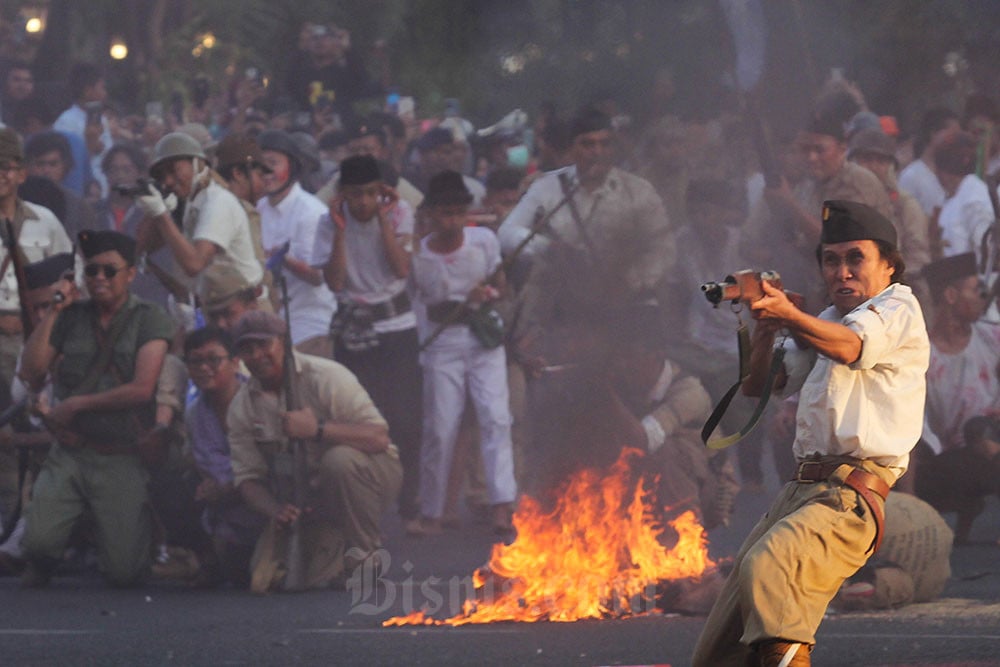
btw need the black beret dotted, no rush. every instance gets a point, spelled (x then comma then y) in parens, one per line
(359, 170)
(48, 271)
(947, 270)
(447, 188)
(852, 221)
(95, 242)
(587, 120)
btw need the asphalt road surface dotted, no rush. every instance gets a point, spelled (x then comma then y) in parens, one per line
(78, 621)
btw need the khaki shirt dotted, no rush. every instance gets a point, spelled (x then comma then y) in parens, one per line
(41, 236)
(254, 417)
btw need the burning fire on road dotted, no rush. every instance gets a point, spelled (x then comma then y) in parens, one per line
(599, 553)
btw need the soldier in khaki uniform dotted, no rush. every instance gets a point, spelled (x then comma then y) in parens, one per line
(39, 235)
(790, 213)
(354, 471)
(861, 369)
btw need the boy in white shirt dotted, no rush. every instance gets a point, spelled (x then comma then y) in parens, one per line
(453, 269)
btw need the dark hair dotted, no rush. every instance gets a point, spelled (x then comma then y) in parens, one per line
(81, 77)
(33, 107)
(957, 154)
(886, 251)
(209, 334)
(979, 105)
(42, 191)
(46, 142)
(977, 429)
(130, 150)
(934, 120)
(504, 178)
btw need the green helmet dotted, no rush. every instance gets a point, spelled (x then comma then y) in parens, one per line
(174, 145)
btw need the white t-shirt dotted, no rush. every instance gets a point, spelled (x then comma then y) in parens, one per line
(872, 408)
(370, 278)
(965, 217)
(963, 385)
(295, 219)
(919, 180)
(450, 277)
(215, 215)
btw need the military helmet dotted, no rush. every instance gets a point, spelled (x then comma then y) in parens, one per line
(280, 142)
(174, 145)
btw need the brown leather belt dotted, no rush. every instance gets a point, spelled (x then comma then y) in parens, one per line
(866, 484)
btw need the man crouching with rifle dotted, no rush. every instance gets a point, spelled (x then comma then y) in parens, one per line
(860, 365)
(352, 471)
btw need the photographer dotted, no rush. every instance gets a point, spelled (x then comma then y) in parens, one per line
(860, 366)
(213, 228)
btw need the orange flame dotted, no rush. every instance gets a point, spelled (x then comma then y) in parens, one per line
(597, 554)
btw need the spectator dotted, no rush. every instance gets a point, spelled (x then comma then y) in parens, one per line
(85, 117)
(48, 155)
(232, 526)
(18, 86)
(919, 177)
(289, 214)
(440, 151)
(363, 246)
(967, 212)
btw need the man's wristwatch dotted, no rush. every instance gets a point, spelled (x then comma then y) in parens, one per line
(320, 423)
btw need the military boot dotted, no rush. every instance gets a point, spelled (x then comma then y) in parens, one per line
(782, 654)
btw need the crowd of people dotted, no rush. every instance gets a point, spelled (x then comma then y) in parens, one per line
(259, 325)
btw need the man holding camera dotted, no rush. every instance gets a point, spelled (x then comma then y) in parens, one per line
(214, 227)
(860, 366)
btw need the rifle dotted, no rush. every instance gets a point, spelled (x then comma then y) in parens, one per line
(541, 220)
(291, 473)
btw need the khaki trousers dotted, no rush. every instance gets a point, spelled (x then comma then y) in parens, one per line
(355, 489)
(814, 536)
(113, 489)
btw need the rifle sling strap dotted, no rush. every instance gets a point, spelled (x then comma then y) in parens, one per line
(743, 337)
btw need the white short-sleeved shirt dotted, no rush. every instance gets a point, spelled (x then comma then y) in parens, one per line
(216, 215)
(872, 408)
(295, 220)
(440, 277)
(42, 235)
(965, 217)
(370, 278)
(919, 180)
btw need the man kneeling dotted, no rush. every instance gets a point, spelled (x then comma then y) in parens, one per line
(354, 472)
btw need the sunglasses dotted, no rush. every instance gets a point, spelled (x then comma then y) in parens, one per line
(109, 270)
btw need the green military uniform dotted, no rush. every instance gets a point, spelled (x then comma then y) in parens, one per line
(104, 474)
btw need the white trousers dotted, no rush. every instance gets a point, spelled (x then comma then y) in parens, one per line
(448, 375)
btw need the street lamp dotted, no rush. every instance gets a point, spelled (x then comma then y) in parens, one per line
(118, 50)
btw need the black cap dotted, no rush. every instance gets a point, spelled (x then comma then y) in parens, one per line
(587, 120)
(48, 271)
(359, 170)
(852, 221)
(434, 138)
(447, 188)
(95, 242)
(948, 270)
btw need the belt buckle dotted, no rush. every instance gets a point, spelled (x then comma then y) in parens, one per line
(808, 465)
